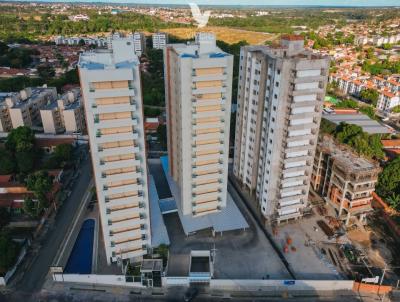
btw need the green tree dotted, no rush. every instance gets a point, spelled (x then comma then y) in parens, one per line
(63, 152)
(40, 183)
(327, 126)
(389, 179)
(25, 161)
(394, 201)
(20, 139)
(348, 103)
(370, 95)
(8, 251)
(4, 217)
(346, 133)
(7, 162)
(387, 46)
(46, 71)
(31, 207)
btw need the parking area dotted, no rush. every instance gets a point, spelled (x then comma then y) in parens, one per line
(241, 254)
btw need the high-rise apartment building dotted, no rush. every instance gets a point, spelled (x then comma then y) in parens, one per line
(111, 89)
(160, 40)
(137, 40)
(280, 97)
(198, 81)
(345, 179)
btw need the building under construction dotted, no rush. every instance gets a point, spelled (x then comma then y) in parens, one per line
(345, 179)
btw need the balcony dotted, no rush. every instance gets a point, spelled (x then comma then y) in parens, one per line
(288, 216)
(114, 108)
(212, 186)
(119, 151)
(206, 197)
(101, 138)
(212, 174)
(204, 114)
(112, 92)
(128, 212)
(130, 231)
(124, 188)
(213, 156)
(122, 176)
(209, 77)
(116, 123)
(120, 164)
(204, 90)
(217, 166)
(299, 188)
(134, 199)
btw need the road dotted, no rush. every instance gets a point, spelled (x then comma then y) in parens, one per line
(35, 275)
(68, 293)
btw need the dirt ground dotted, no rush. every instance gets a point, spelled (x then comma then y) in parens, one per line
(228, 35)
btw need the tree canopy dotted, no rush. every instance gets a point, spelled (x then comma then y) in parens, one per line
(8, 251)
(368, 145)
(388, 185)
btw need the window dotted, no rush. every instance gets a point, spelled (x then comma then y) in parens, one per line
(275, 96)
(278, 71)
(274, 108)
(277, 84)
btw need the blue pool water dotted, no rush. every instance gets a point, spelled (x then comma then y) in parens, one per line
(80, 260)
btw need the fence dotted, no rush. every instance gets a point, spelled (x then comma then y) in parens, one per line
(95, 279)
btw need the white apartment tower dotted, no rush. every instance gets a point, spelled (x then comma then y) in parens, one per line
(160, 40)
(198, 81)
(136, 39)
(280, 97)
(111, 89)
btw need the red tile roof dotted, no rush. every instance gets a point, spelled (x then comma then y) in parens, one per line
(390, 143)
(292, 37)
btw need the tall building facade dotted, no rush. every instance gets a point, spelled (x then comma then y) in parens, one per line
(280, 97)
(198, 81)
(160, 40)
(137, 40)
(111, 89)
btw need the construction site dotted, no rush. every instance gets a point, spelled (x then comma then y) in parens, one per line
(361, 252)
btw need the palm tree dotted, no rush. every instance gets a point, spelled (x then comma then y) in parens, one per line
(394, 201)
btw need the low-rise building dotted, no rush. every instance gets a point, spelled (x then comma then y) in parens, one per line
(23, 108)
(387, 100)
(344, 179)
(64, 114)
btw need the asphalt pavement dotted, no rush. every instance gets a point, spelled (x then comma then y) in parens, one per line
(34, 276)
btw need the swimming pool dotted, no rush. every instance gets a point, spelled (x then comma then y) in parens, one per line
(80, 260)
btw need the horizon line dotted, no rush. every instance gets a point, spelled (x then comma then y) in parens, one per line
(209, 5)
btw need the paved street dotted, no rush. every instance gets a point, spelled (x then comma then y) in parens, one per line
(70, 293)
(34, 276)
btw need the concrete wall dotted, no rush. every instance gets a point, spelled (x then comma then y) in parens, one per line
(95, 279)
(276, 285)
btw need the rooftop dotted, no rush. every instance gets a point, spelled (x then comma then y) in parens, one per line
(122, 55)
(345, 157)
(228, 219)
(204, 47)
(367, 124)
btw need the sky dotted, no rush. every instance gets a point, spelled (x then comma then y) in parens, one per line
(254, 2)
